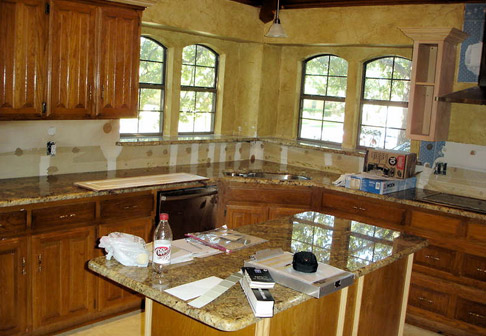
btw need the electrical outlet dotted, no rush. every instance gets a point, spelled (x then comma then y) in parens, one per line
(51, 148)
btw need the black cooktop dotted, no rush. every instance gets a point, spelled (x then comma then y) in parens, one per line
(456, 201)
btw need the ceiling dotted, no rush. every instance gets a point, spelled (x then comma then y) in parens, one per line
(268, 6)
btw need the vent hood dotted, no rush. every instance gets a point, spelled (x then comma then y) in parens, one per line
(475, 95)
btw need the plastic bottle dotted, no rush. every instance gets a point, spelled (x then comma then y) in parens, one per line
(162, 244)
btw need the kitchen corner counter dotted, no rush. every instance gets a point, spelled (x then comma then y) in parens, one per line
(365, 250)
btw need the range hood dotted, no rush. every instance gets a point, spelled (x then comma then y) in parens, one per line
(475, 95)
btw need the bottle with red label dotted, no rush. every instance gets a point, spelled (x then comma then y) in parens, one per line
(162, 244)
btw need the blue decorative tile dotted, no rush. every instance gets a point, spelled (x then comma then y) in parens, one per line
(430, 151)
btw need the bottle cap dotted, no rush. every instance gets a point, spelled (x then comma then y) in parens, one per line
(164, 216)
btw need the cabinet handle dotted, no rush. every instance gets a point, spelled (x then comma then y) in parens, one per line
(126, 207)
(432, 257)
(477, 315)
(39, 262)
(359, 208)
(90, 92)
(67, 216)
(421, 298)
(24, 271)
(477, 269)
(1, 225)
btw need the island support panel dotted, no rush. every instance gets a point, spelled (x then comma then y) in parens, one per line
(375, 304)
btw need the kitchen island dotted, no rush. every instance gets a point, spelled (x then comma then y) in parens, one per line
(381, 260)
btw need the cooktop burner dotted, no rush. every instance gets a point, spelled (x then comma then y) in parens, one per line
(455, 201)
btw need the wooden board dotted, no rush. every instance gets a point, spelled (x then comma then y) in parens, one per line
(139, 181)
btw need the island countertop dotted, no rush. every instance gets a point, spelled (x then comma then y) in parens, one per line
(356, 247)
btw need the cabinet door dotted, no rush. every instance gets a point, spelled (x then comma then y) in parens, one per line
(72, 50)
(13, 286)
(23, 59)
(62, 285)
(239, 215)
(118, 62)
(110, 294)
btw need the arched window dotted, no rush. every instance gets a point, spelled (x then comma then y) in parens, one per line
(198, 90)
(151, 91)
(384, 103)
(322, 96)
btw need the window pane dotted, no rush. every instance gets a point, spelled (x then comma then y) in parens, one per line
(186, 122)
(395, 138)
(151, 72)
(337, 87)
(205, 57)
(149, 122)
(372, 137)
(204, 101)
(332, 132)
(400, 90)
(203, 122)
(377, 89)
(374, 115)
(334, 111)
(188, 101)
(317, 66)
(315, 85)
(150, 100)
(312, 109)
(381, 68)
(205, 77)
(397, 117)
(311, 129)
(150, 50)
(189, 55)
(187, 75)
(128, 125)
(338, 67)
(402, 68)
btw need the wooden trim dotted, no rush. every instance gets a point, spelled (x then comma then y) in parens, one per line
(406, 289)
(262, 327)
(148, 317)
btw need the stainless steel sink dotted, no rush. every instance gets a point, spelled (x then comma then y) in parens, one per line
(269, 176)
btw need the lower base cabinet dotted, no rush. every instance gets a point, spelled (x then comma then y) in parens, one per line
(63, 288)
(14, 276)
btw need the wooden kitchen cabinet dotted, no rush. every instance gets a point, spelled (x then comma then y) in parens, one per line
(66, 59)
(23, 59)
(433, 66)
(63, 288)
(110, 294)
(14, 280)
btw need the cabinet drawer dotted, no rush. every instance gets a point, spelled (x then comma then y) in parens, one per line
(294, 196)
(474, 267)
(63, 215)
(13, 221)
(436, 257)
(362, 207)
(471, 312)
(127, 207)
(437, 223)
(428, 299)
(477, 231)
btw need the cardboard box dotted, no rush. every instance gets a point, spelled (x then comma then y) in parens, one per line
(395, 164)
(378, 185)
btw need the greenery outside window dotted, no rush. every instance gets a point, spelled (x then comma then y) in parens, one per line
(322, 103)
(384, 103)
(198, 90)
(151, 91)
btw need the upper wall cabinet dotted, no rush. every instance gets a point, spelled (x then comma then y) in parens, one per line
(68, 59)
(433, 65)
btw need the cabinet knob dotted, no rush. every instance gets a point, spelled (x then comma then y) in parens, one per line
(421, 298)
(477, 315)
(24, 271)
(39, 262)
(477, 269)
(432, 257)
(67, 216)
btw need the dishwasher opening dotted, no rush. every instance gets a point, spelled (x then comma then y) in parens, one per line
(190, 210)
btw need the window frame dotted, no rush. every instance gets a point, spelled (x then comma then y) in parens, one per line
(304, 96)
(160, 87)
(196, 89)
(387, 103)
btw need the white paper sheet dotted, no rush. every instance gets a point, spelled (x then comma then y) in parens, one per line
(194, 289)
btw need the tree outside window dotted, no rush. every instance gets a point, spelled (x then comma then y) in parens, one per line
(322, 103)
(384, 103)
(198, 90)
(151, 91)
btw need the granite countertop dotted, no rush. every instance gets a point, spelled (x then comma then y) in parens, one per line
(356, 247)
(30, 190)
